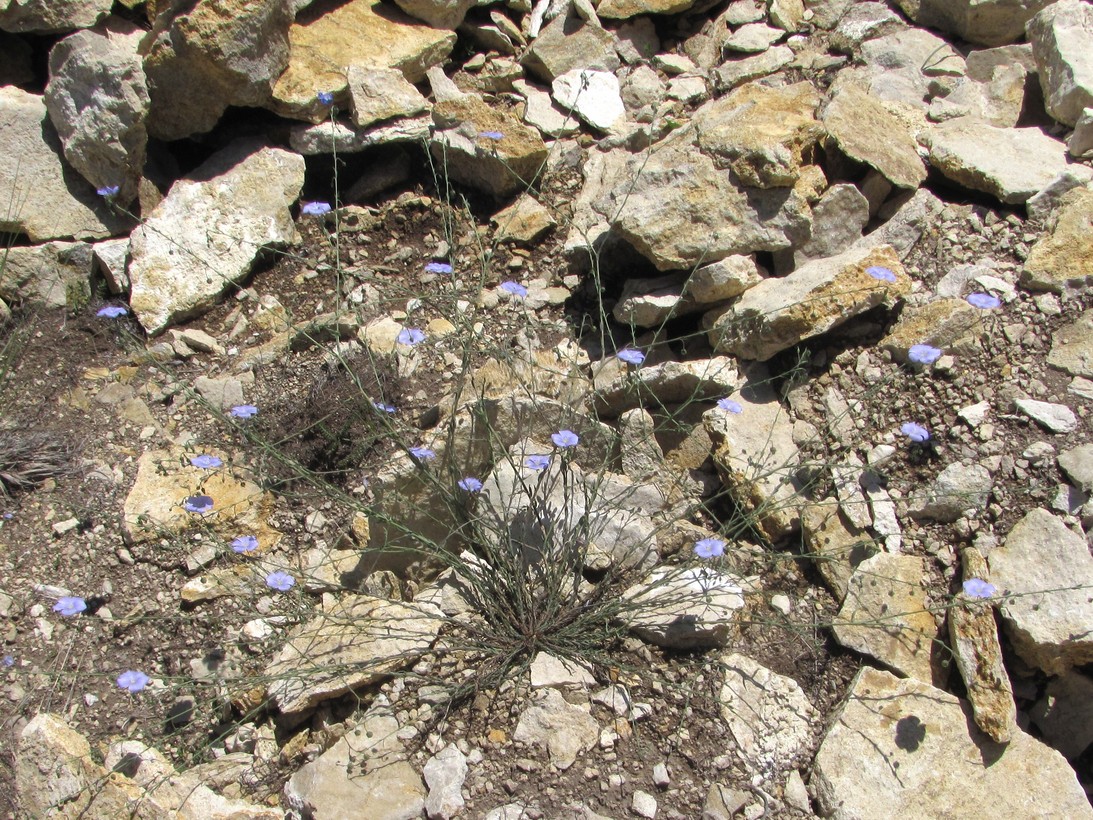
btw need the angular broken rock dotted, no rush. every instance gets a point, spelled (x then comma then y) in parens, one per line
(1059, 260)
(1065, 714)
(891, 739)
(357, 640)
(379, 94)
(836, 545)
(1046, 572)
(1071, 346)
(984, 22)
(619, 389)
(439, 14)
(207, 232)
(1058, 418)
(592, 95)
(684, 609)
(781, 312)
(52, 16)
(54, 274)
(958, 489)
(444, 773)
(885, 616)
(564, 729)
(1061, 36)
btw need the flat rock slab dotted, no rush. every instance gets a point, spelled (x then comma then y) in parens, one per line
(1071, 347)
(1011, 164)
(1047, 569)
(901, 748)
(1061, 36)
(780, 312)
(593, 96)
(53, 274)
(984, 22)
(358, 640)
(564, 729)
(207, 232)
(973, 634)
(1059, 261)
(619, 389)
(687, 609)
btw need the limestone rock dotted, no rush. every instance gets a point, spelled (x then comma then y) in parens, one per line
(1077, 463)
(46, 199)
(651, 302)
(985, 22)
(756, 456)
(444, 773)
(1058, 418)
(900, 67)
(52, 16)
(760, 133)
(885, 615)
(618, 390)
(366, 33)
(357, 640)
(768, 714)
(1011, 164)
(569, 43)
(97, 98)
(178, 265)
(866, 131)
(1059, 260)
(337, 137)
(958, 488)
(864, 21)
(724, 279)
(732, 73)
(1062, 44)
(1047, 569)
(497, 166)
(836, 545)
(1080, 144)
(379, 94)
(523, 222)
(625, 9)
(882, 756)
(838, 220)
(684, 608)
(780, 312)
(55, 274)
(592, 95)
(945, 323)
(566, 730)
(541, 112)
(442, 14)
(1065, 714)
(54, 771)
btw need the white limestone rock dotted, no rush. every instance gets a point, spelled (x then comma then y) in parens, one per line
(566, 730)
(593, 95)
(684, 608)
(1062, 44)
(52, 16)
(444, 774)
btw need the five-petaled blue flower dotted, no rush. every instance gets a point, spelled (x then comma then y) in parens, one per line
(280, 581)
(438, 267)
(422, 453)
(880, 272)
(470, 484)
(245, 543)
(108, 190)
(132, 681)
(491, 135)
(514, 289)
(923, 354)
(916, 432)
(206, 462)
(730, 405)
(112, 311)
(315, 208)
(410, 336)
(537, 462)
(631, 356)
(565, 438)
(383, 406)
(70, 605)
(243, 411)
(978, 588)
(983, 301)
(325, 98)
(198, 504)
(709, 548)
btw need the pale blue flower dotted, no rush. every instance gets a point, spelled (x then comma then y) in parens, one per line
(514, 289)
(983, 301)
(245, 543)
(438, 267)
(315, 208)
(978, 588)
(325, 98)
(243, 411)
(916, 432)
(410, 336)
(709, 548)
(132, 681)
(280, 581)
(470, 484)
(198, 504)
(112, 311)
(108, 190)
(730, 405)
(565, 438)
(491, 135)
(70, 605)
(923, 354)
(537, 462)
(631, 356)
(8, 660)
(206, 462)
(422, 453)
(383, 406)
(880, 272)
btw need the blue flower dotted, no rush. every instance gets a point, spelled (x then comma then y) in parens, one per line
(245, 543)
(730, 405)
(709, 548)
(8, 660)
(198, 504)
(325, 98)
(881, 273)
(410, 336)
(70, 605)
(537, 462)
(514, 289)
(280, 581)
(384, 406)
(206, 462)
(108, 191)
(438, 267)
(983, 301)
(491, 135)
(916, 432)
(132, 681)
(631, 356)
(978, 588)
(112, 311)
(422, 453)
(470, 484)
(923, 354)
(315, 208)
(565, 438)
(243, 411)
